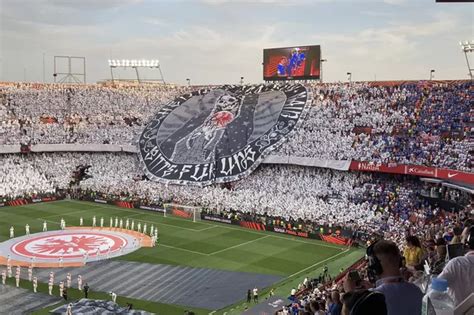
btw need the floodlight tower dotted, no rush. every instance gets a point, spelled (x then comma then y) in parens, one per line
(135, 64)
(468, 46)
(321, 67)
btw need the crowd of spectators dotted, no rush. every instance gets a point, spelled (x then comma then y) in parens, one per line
(364, 202)
(389, 207)
(398, 286)
(413, 123)
(33, 113)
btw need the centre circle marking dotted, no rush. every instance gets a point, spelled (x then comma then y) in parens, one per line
(69, 245)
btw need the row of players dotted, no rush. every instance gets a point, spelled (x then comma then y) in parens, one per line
(7, 273)
(119, 223)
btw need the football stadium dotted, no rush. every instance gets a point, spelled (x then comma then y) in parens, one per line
(150, 166)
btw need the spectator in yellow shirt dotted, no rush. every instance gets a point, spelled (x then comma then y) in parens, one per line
(413, 252)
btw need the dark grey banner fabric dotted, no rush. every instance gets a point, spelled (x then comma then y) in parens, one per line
(220, 135)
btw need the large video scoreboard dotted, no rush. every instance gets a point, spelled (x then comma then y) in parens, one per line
(292, 63)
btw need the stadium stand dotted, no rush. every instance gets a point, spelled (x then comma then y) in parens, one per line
(414, 123)
(411, 123)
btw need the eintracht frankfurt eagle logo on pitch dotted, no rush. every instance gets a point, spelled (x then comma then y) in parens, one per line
(222, 134)
(69, 245)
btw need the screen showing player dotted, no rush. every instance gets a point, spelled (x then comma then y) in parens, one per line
(292, 63)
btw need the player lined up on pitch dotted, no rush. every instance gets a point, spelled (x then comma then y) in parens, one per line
(82, 246)
(113, 223)
(62, 285)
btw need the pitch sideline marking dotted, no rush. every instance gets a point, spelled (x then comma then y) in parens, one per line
(180, 248)
(318, 263)
(208, 228)
(238, 245)
(216, 252)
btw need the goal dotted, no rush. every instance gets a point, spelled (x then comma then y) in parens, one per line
(187, 212)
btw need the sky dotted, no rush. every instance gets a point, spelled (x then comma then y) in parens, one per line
(218, 41)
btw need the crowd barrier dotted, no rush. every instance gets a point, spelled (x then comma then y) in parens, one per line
(38, 148)
(325, 233)
(28, 200)
(415, 170)
(137, 204)
(343, 165)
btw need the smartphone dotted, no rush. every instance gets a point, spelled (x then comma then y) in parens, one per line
(455, 250)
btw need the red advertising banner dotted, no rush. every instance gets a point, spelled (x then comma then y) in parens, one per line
(253, 225)
(123, 204)
(335, 239)
(455, 175)
(17, 202)
(291, 232)
(372, 167)
(416, 170)
(419, 170)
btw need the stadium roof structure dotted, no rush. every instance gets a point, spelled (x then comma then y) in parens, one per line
(469, 188)
(466, 47)
(136, 64)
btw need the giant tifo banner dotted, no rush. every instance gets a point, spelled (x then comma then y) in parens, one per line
(417, 170)
(222, 134)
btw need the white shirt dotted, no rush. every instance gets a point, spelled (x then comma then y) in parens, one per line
(459, 272)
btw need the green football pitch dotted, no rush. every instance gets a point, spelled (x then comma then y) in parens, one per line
(196, 244)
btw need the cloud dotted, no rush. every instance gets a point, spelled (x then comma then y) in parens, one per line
(84, 4)
(218, 46)
(264, 2)
(395, 2)
(399, 50)
(155, 21)
(59, 12)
